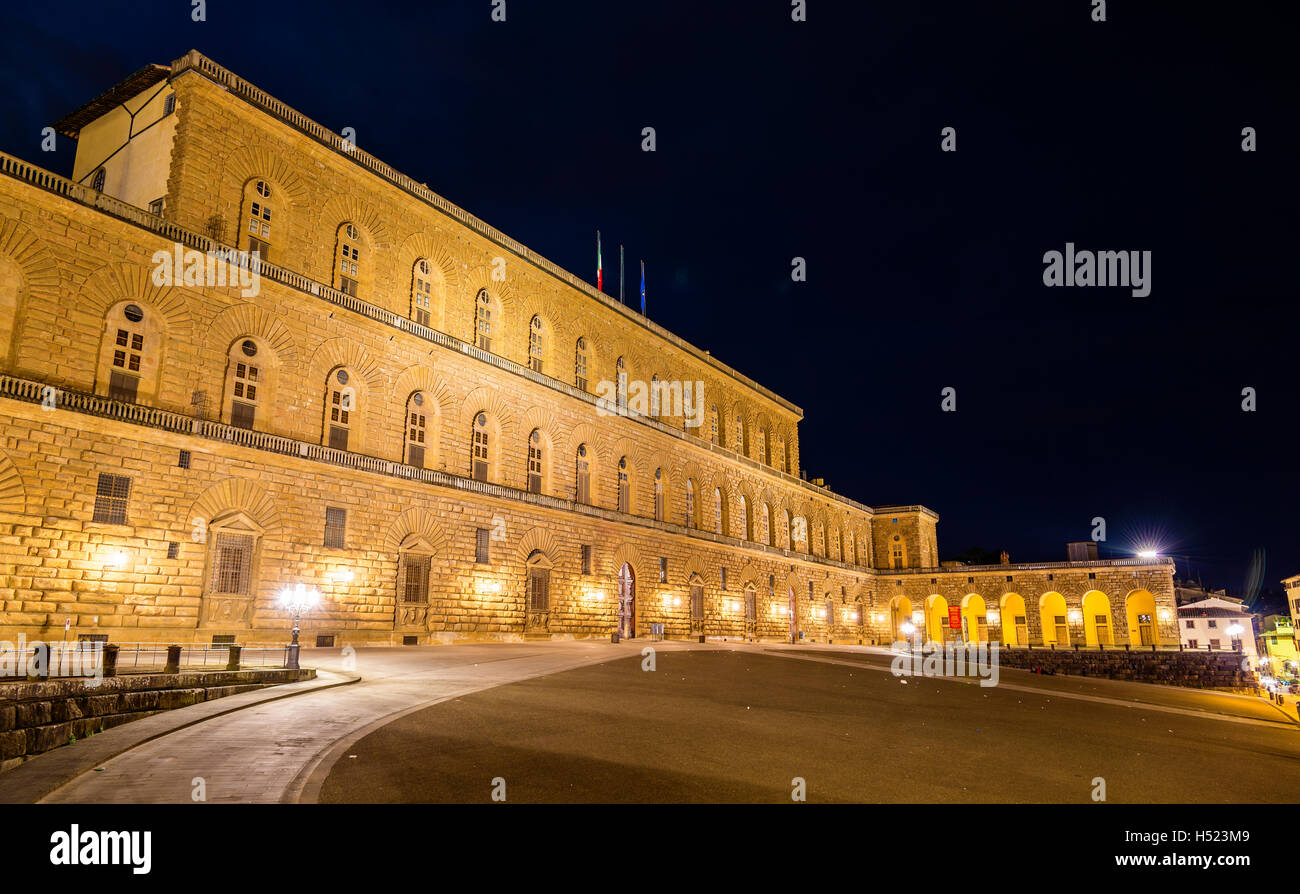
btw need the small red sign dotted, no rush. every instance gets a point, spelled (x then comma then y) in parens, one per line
(954, 617)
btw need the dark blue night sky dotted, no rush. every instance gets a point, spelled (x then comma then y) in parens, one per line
(821, 140)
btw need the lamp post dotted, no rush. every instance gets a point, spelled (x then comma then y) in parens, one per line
(297, 600)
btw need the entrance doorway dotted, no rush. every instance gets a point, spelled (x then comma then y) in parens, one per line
(794, 617)
(626, 602)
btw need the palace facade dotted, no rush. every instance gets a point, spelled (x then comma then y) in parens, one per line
(402, 409)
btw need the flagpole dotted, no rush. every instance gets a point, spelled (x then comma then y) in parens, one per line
(620, 274)
(643, 288)
(600, 279)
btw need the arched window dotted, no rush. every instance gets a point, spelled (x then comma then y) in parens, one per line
(417, 415)
(762, 446)
(535, 344)
(839, 544)
(480, 461)
(851, 557)
(341, 405)
(422, 292)
(12, 290)
(130, 346)
(535, 459)
(820, 542)
(246, 384)
(799, 533)
(765, 525)
(654, 395)
(349, 260)
(483, 320)
(720, 512)
(583, 475)
(780, 454)
(621, 368)
(97, 182)
(745, 531)
(713, 425)
(783, 529)
(580, 365)
(659, 494)
(690, 503)
(624, 487)
(259, 219)
(738, 435)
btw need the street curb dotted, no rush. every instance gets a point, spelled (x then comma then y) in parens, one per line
(46, 773)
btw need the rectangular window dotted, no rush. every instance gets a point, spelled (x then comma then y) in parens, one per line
(232, 564)
(111, 494)
(347, 285)
(123, 387)
(415, 585)
(338, 437)
(723, 575)
(663, 569)
(586, 559)
(1193, 644)
(173, 550)
(336, 522)
(482, 541)
(155, 207)
(241, 414)
(184, 460)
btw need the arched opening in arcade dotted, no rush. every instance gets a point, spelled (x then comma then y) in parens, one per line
(1142, 627)
(974, 619)
(1015, 620)
(900, 613)
(1052, 615)
(936, 619)
(1098, 626)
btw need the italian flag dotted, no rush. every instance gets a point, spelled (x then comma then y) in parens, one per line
(600, 276)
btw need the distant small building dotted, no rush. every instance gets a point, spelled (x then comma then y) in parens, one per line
(1280, 652)
(1292, 585)
(1217, 624)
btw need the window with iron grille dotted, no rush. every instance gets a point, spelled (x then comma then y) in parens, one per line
(336, 522)
(586, 558)
(169, 104)
(232, 564)
(111, 494)
(539, 589)
(723, 575)
(663, 569)
(184, 460)
(415, 578)
(482, 545)
(173, 550)
(697, 602)
(98, 182)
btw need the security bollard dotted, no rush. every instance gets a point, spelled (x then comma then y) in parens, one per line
(232, 664)
(173, 665)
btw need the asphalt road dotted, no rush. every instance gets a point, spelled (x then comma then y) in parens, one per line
(714, 725)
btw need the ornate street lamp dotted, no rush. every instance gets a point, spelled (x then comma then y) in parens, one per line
(297, 600)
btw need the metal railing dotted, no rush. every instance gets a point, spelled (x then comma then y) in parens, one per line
(86, 659)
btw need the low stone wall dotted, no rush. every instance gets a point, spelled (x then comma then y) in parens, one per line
(38, 716)
(1195, 670)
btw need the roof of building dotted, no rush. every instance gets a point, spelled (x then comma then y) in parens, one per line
(70, 125)
(1213, 608)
